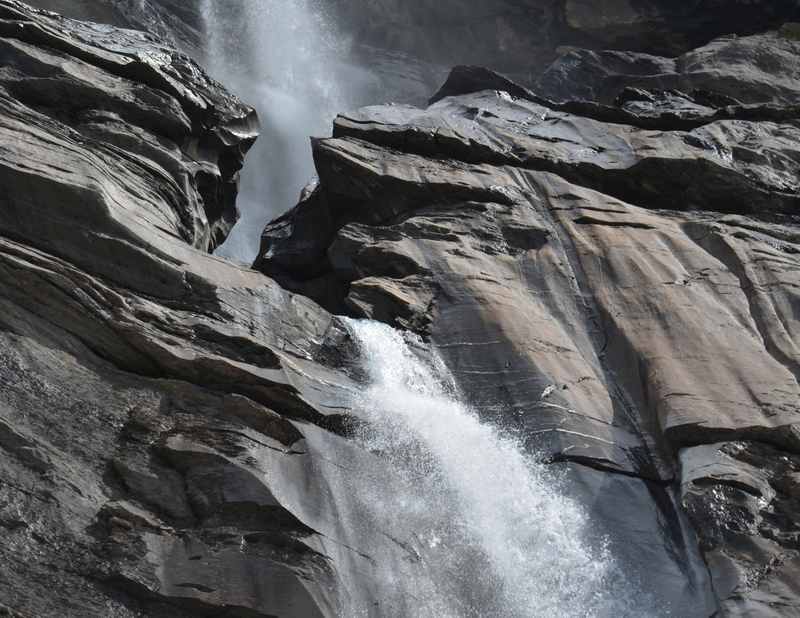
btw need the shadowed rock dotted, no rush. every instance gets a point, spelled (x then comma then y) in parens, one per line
(148, 463)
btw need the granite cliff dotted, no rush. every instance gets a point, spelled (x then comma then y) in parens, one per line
(605, 258)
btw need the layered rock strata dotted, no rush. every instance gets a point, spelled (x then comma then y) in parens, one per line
(616, 279)
(143, 470)
(176, 22)
(611, 277)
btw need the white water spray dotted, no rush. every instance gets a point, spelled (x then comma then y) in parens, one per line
(486, 529)
(287, 59)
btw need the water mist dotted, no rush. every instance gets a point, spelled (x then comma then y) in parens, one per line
(481, 527)
(288, 59)
(460, 522)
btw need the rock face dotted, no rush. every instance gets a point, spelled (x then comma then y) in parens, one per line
(521, 38)
(611, 275)
(755, 69)
(143, 470)
(105, 111)
(615, 277)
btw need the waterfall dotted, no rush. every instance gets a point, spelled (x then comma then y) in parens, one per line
(287, 59)
(454, 517)
(486, 530)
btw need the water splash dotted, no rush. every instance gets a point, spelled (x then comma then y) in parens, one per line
(486, 529)
(287, 58)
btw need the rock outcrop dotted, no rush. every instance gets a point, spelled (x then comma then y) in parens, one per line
(111, 113)
(176, 22)
(143, 470)
(759, 69)
(615, 278)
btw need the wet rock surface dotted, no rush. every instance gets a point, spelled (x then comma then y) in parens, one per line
(611, 275)
(742, 497)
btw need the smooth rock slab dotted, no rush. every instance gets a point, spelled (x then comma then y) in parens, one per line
(613, 283)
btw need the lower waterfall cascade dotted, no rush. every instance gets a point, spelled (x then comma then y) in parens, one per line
(486, 529)
(529, 348)
(482, 527)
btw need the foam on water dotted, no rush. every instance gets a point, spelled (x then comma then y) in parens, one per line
(492, 533)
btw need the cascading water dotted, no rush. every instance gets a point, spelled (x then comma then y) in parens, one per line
(287, 59)
(484, 529)
(453, 517)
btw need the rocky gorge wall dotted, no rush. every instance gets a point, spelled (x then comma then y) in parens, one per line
(607, 265)
(523, 37)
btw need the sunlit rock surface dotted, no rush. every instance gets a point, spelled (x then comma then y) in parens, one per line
(618, 281)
